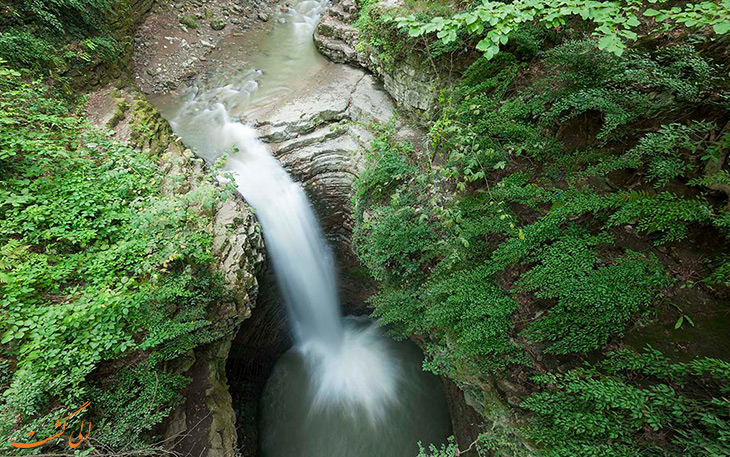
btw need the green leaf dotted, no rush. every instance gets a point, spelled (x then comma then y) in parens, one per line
(483, 45)
(491, 50)
(721, 28)
(611, 43)
(651, 12)
(679, 322)
(605, 42)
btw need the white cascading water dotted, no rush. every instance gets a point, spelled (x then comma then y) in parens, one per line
(342, 377)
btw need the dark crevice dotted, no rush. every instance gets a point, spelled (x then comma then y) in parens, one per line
(257, 346)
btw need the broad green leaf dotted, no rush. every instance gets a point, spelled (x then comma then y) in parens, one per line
(7, 336)
(483, 45)
(722, 28)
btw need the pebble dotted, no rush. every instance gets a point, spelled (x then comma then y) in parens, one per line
(263, 16)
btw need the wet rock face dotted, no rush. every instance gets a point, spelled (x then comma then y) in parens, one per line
(412, 85)
(336, 37)
(320, 137)
(257, 346)
(207, 421)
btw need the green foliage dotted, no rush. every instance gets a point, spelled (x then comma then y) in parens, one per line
(388, 45)
(387, 167)
(634, 405)
(721, 274)
(594, 302)
(53, 35)
(664, 214)
(450, 449)
(378, 36)
(134, 403)
(697, 15)
(63, 16)
(24, 49)
(480, 134)
(398, 245)
(97, 264)
(614, 23)
(476, 314)
(189, 21)
(668, 154)
(527, 238)
(625, 89)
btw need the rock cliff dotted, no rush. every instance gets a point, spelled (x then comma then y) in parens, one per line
(205, 424)
(320, 136)
(411, 83)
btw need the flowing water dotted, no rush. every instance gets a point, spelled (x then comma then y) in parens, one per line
(344, 389)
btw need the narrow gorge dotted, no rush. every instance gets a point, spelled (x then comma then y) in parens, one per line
(272, 96)
(364, 228)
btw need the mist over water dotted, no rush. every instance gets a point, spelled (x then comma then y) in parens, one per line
(373, 401)
(344, 389)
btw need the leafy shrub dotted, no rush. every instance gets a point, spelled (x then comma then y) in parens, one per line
(63, 16)
(98, 265)
(594, 303)
(665, 214)
(510, 252)
(623, 89)
(398, 245)
(613, 22)
(50, 35)
(634, 405)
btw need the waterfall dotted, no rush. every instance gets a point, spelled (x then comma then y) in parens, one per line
(301, 258)
(342, 376)
(351, 367)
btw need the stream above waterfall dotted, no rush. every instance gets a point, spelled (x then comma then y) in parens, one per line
(344, 388)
